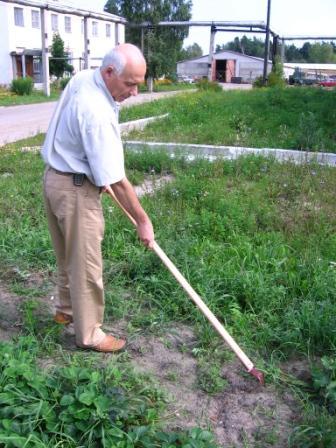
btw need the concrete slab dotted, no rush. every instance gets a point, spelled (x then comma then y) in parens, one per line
(211, 152)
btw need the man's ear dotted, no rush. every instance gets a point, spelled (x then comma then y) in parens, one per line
(110, 70)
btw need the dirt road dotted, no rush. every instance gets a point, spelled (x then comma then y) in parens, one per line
(18, 122)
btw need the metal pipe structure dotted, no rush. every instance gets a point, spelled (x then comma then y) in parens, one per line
(282, 50)
(211, 51)
(240, 24)
(267, 41)
(308, 38)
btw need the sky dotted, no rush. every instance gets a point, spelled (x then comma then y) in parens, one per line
(288, 17)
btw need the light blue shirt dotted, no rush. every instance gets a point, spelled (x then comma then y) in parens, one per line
(84, 135)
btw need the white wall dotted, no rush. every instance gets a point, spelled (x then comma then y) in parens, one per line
(22, 36)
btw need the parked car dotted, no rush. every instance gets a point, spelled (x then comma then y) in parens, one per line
(328, 83)
(186, 79)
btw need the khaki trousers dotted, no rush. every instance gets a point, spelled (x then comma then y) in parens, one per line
(76, 226)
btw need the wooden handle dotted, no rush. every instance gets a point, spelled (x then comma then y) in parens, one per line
(195, 297)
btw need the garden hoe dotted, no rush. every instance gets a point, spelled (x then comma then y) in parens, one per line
(199, 302)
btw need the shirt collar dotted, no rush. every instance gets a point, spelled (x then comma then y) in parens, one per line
(101, 84)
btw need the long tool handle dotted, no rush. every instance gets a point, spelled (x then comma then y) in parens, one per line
(199, 302)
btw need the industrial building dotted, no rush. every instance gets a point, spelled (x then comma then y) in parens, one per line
(229, 66)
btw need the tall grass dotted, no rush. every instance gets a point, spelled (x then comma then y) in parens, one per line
(292, 118)
(256, 238)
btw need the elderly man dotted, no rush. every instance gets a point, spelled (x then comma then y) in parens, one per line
(84, 156)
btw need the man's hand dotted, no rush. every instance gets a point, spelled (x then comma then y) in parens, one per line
(146, 233)
(124, 195)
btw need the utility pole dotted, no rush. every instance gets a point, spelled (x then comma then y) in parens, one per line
(267, 42)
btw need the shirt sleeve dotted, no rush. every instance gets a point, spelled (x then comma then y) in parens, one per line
(103, 148)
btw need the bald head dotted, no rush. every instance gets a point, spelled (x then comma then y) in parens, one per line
(123, 55)
(123, 69)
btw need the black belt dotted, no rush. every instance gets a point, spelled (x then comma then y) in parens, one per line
(62, 173)
(78, 178)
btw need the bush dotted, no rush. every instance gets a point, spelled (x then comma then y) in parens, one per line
(258, 82)
(63, 83)
(22, 86)
(163, 81)
(205, 84)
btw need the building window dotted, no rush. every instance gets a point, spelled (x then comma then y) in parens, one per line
(108, 30)
(67, 24)
(18, 17)
(54, 22)
(35, 18)
(95, 29)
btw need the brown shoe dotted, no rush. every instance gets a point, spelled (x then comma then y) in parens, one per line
(62, 318)
(110, 344)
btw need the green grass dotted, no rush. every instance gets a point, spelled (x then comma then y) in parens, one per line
(11, 99)
(83, 403)
(254, 237)
(292, 118)
(8, 98)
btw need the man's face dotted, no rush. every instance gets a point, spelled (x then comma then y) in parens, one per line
(126, 84)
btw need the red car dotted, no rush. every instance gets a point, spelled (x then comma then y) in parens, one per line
(331, 83)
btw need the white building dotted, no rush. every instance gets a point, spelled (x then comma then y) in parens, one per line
(25, 24)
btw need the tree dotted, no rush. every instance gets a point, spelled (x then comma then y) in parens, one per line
(60, 65)
(251, 47)
(304, 50)
(321, 52)
(162, 45)
(191, 52)
(294, 54)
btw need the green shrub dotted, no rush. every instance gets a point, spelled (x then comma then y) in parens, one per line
(258, 82)
(205, 84)
(76, 406)
(324, 383)
(276, 77)
(22, 86)
(63, 83)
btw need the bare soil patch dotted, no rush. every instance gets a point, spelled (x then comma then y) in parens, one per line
(245, 414)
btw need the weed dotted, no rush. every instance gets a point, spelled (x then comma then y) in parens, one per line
(37, 322)
(77, 406)
(209, 377)
(318, 431)
(324, 383)
(255, 238)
